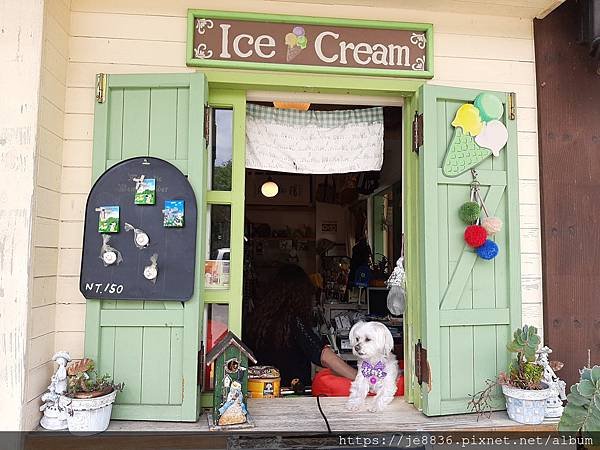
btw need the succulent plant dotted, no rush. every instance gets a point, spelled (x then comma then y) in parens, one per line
(525, 342)
(523, 372)
(582, 413)
(83, 378)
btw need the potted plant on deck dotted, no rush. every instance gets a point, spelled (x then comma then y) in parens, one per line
(522, 385)
(90, 397)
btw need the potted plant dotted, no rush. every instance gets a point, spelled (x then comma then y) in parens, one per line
(522, 385)
(582, 413)
(90, 397)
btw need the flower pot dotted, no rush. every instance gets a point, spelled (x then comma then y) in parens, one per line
(526, 406)
(90, 415)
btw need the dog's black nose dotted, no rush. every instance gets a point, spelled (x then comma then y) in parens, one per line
(357, 347)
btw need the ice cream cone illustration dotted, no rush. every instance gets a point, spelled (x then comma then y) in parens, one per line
(296, 42)
(463, 154)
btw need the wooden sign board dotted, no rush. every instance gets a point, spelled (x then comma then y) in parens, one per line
(309, 44)
(175, 246)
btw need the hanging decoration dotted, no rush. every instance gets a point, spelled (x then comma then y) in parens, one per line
(140, 237)
(151, 271)
(479, 230)
(478, 133)
(314, 142)
(108, 254)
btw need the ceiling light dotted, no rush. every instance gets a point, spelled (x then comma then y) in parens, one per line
(291, 105)
(269, 188)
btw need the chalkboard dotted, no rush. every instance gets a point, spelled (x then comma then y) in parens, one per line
(175, 246)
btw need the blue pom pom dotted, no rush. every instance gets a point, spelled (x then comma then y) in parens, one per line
(489, 250)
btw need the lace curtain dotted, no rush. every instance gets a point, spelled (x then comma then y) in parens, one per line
(316, 142)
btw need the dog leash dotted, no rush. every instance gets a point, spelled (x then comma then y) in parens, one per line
(322, 413)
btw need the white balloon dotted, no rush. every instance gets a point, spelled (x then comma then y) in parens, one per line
(493, 136)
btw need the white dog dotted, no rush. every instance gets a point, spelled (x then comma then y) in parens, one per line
(372, 342)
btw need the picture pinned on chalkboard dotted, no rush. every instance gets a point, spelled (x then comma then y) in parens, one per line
(140, 237)
(145, 190)
(174, 213)
(108, 219)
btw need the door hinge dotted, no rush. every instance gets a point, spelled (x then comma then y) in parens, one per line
(512, 106)
(101, 87)
(422, 365)
(207, 123)
(417, 132)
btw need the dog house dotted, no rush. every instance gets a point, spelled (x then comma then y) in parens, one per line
(460, 306)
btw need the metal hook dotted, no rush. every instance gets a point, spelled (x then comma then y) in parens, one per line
(474, 184)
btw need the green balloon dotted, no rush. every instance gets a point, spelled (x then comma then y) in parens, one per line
(490, 107)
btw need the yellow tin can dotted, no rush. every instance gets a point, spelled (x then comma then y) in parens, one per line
(263, 382)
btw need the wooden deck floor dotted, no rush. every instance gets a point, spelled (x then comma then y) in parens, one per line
(301, 415)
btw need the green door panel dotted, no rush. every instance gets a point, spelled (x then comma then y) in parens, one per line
(468, 306)
(151, 346)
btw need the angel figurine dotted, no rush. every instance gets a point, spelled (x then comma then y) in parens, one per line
(554, 405)
(55, 413)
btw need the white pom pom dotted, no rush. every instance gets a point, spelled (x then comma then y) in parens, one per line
(492, 225)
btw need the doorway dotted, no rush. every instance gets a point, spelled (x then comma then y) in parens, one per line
(331, 226)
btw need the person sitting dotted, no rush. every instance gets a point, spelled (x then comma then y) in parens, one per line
(280, 330)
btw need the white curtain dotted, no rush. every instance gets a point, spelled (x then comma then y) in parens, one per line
(316, 142)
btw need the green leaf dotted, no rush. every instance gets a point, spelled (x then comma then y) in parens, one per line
(577, 399)
(595, 374)
(586, 388)
(574, 414)
(597, 401)
(591, 424)
(512, 347)
(586, 374)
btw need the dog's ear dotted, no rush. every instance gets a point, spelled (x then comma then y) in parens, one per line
(389, 340)
(354, 329)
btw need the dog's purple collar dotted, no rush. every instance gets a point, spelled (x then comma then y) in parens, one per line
(373, 373)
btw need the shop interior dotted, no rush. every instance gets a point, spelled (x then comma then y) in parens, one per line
(345, 232)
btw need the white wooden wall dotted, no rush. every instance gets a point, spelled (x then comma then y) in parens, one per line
(133, 36)
(46, 207)
(20, 56)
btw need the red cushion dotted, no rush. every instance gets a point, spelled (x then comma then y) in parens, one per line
(328, 384)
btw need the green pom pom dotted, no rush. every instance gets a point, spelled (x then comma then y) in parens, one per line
(469, 213)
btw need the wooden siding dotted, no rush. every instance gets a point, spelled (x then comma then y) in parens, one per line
(569, 144)
(46, 211)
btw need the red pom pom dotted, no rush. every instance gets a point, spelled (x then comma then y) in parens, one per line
(475, 236)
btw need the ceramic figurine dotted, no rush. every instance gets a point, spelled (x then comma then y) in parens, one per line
(233, 411)
(54, 407)
(554, 406)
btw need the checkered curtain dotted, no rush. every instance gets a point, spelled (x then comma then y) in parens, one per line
(317, 142)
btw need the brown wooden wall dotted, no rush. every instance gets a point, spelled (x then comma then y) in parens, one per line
(568, 83)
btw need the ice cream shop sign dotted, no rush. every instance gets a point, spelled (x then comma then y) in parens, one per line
(309, 44)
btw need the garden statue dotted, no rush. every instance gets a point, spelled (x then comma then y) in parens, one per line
(554, 406)
(54, 407)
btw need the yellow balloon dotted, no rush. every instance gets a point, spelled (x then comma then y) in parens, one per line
(467, 117)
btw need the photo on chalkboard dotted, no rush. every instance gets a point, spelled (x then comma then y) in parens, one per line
(145, 191)
(108, 219)
(173, 214)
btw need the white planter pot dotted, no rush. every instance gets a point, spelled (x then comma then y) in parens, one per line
(90, 415)
(526, 406)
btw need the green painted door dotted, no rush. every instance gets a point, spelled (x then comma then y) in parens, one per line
(161, 116)
(468, 306)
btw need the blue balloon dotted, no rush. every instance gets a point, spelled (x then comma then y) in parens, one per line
(489, 250)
